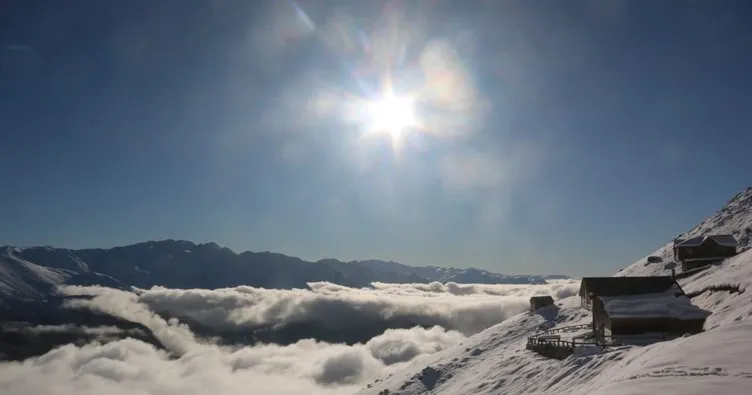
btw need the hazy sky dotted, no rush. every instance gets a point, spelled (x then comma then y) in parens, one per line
(570, 137)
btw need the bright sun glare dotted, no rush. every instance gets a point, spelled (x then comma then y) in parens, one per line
(391, 114)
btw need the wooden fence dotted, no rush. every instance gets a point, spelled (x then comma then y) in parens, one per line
(554, 347)
(563, 328)
(560, 349)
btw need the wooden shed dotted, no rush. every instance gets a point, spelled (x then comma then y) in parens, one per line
(703, 250)
(536, 302)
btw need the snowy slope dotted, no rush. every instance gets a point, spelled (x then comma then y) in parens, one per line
(728, 306)
(719, 360)
(22, 279)
(496, 361)
(26, 280)
(734, 218)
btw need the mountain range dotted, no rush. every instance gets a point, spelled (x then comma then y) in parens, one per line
(29, 278)
(33, 272)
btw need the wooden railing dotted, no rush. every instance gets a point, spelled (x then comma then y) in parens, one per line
(559, 343)
(552, 346)
(564, 328)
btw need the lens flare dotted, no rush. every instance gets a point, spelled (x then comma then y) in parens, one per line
(391, 114)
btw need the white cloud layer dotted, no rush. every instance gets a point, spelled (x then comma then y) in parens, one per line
(466, 308)
(196, 366)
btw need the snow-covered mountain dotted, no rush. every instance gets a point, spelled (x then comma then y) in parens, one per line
(477, 276)
(23, 279)
(495, 361)
(393, 272)
(33, 272)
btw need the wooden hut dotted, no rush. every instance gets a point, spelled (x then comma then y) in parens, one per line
(704, 250)
(536, 302)
(620, 286)
(645, 317)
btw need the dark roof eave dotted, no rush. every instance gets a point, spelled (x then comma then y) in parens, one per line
(615, 286)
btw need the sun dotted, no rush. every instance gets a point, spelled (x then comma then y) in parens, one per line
(391, 114)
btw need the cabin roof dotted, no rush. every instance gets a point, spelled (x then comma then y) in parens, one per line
(656, 305)
(542, 298)
(617, 286)
(723, 240)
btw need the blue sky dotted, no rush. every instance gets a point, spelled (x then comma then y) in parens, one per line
(570, 137)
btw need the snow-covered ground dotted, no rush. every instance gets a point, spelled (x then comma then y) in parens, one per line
(496, 361)
(718, 360)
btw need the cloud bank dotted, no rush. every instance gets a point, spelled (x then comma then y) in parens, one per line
(193, 365)
(465, 308)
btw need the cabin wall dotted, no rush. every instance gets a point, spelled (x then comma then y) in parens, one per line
(536, 304)
(708, 249)
(601, 324)
(688, 326)
(691, 265)
(605, 328)
(665, 325)
(585, 302)
(640, 325)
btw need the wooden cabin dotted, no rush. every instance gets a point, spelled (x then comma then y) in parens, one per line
(620, 286)
(536, 302)
(645, 317)
(704, 250)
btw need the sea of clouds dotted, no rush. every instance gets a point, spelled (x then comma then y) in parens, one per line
(189, 364)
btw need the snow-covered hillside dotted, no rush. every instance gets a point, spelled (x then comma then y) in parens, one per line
(734, 218)
(496, 361)
(718, 360)
(23, 279)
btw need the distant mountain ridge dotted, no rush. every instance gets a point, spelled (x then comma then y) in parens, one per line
(33, 272)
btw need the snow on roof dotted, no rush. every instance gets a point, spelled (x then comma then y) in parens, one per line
(664, 304)
(693, 242)
(724, 240)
